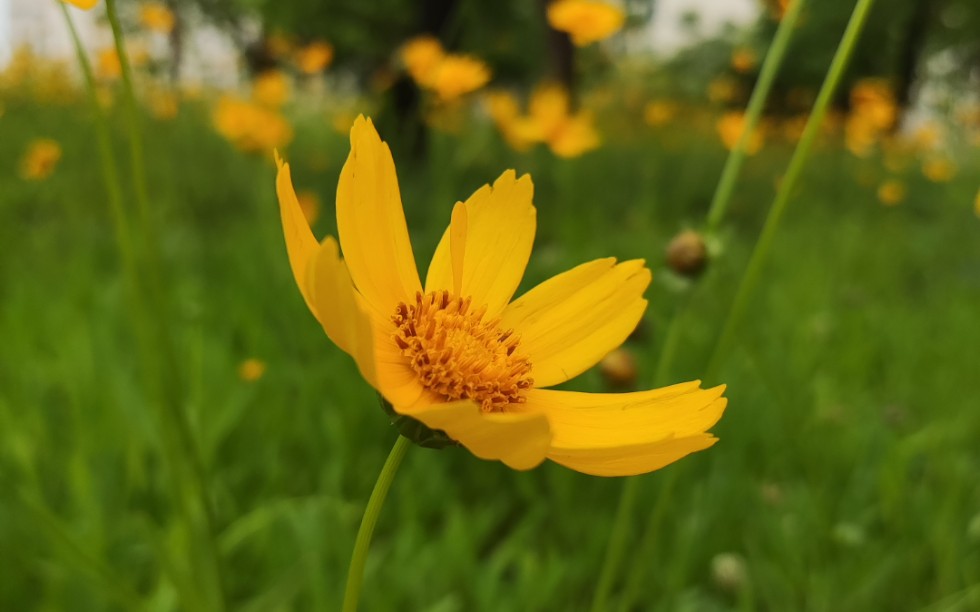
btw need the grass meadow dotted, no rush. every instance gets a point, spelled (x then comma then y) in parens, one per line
(845, 477)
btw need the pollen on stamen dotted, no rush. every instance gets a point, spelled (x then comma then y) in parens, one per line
(458, 355)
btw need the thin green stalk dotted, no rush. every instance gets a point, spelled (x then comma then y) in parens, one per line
(160, 371)
(796, 164)
(355, 575)
(767, 74)
(716, 212)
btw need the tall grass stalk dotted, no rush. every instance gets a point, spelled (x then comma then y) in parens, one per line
(147, 309)
(716, 212)
(796, 164)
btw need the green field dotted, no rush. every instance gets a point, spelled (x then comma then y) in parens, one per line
(845, 477)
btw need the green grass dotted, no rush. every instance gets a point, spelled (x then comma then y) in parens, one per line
(845, 475)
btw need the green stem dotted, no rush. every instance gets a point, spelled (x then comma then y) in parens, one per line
(355, 575)
(150, 321)
(757, 101)
(752, 274)
(716, 212)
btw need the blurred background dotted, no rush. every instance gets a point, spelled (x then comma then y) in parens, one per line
(177, 433)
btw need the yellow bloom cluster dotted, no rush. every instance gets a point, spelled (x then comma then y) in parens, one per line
(458, 353)
(449, 75)
(31, 77)
(549, 120)
(40, 159)
(873, 114)
(585, 21)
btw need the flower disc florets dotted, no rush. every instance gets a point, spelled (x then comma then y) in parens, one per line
(459, 355)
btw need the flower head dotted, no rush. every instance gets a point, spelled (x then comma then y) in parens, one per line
(730, 127)
(156, 17)
(449, 75)
(314, 57)
(457, 354)
(40, 159)
(82, 4)
(586, 21)
(549, 120)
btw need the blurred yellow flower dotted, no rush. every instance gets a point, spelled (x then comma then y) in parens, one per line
(659, 112)
(163, 104)
(309, 203)
(270, 89)
(449, 75)
(874, 112)
(586, 21)
(939, 169)
(976, 204)
(40, 159)
(458, 355)
(107, 64)
(82, 4)
(314, 57)
(458, 75)
(156, 17)
(251, 369)
(730, 127)
(250, 127)
(891, 192)
(744, 60)
(723, 90)
(549, 120)
(421, 55)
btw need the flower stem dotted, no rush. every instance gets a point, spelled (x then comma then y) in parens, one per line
(716, 212)
(767, 74)
(796, 164)
(355, 574)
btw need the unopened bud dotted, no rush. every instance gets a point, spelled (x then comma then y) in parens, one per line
(687, 254)
(618, 368)
(728, 571)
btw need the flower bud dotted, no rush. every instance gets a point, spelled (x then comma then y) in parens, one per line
(728, 571)
(687, 254)
(618, 368)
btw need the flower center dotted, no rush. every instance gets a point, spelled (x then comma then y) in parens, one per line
(459, 355)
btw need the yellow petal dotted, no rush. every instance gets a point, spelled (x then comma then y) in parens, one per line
(300, 242)
(500, 225)
(343, 319)
(627, 433)
(571, 321)
(371, 223)
(520, 440)
(631, 460)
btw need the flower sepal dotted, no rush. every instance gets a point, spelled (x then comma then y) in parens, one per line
(415, 430)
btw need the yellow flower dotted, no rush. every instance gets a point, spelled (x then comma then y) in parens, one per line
(939, 169)
(586, 21)
(156, 17)
(891, 192)
(457, 75)
(40, 159)
(270, 89)
(421, 55)
(976, 204)
(250, 127)
(730, 127)
(314, 57)
(744, 60)
(458, 355)
(251, 370)
(658, 113)
(107, 65)
(82, 4)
